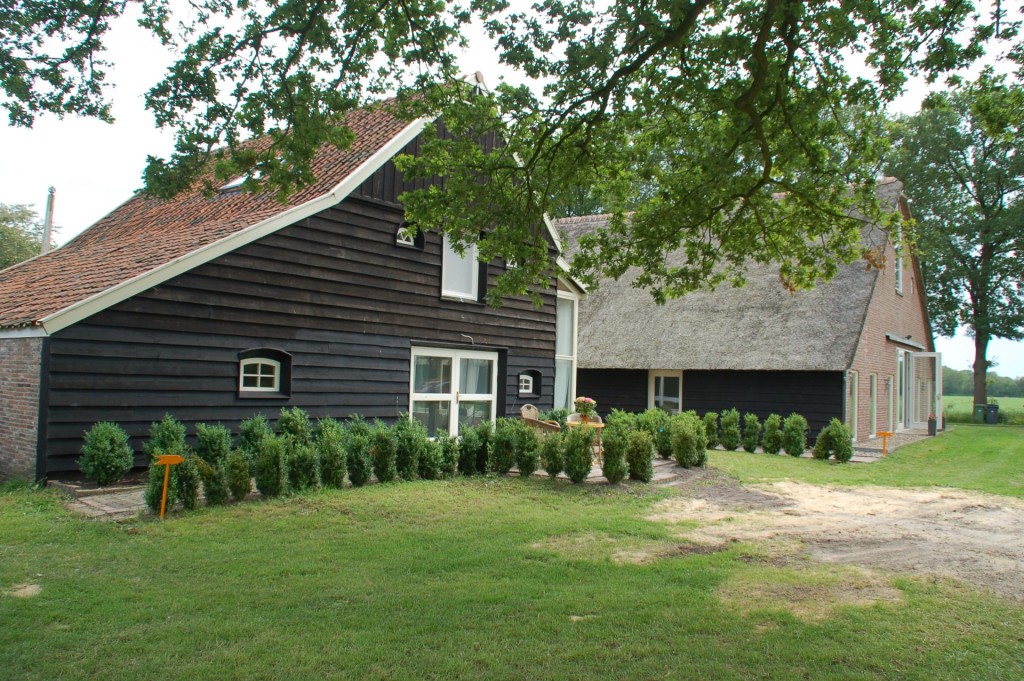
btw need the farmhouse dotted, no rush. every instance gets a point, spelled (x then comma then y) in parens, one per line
(214, 308)
(858, 348)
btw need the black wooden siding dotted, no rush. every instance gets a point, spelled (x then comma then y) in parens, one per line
(817, 395)
(624, 389)
(334, 291)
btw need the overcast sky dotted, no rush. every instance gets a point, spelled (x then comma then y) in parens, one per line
(96, 166)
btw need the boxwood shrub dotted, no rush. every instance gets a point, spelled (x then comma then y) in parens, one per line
(771, 439)
(711, 428)
(383, 452)
(794, 434)
(552, 459)
(578, 453)
(640, 455)
(834, 440)
(239, 477)
(106, 455)
(613, 463)
(729, 433)
(751, 432)
(330, 445)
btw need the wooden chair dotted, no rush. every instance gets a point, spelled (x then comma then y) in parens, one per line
(531, 416)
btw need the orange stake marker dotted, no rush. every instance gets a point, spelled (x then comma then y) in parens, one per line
(885, 435)
(167, 460)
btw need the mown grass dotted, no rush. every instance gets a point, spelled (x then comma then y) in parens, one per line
(465, 579)
(975, 457)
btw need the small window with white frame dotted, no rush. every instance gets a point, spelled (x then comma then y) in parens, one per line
(408, 237)
(264, 373)
(261, 374)
(525, 384)
(529, 383)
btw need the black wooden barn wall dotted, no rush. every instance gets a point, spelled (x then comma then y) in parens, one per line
(334, 290)
(817, 395)
(624, 389)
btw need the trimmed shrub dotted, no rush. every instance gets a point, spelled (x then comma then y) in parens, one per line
(578, 453)
(613, 463)
(330, 445)
(383, 452)
(295, 422)
(213, 443)
(689, 440)
(303, 465)
(469, 446)
(711, 428)
(166, 436)
(559, 416)
(551, 456)
(239, 477)
(527, 449)
(215, 482)
(448, 463)
(430, 460)
(621, 419)
(794, 434)
(656, 422)
(272, 466)
(729, 433)
(771, 439)
(188, 481)
(106, 454)
(751, 432)
(251, 433)
(410, 441)
(485, 429)
(357, 447)
(834, 440)
(155, 488)
(640, 455)
(503, 446)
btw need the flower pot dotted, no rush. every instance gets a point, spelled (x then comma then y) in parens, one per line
(932, 426)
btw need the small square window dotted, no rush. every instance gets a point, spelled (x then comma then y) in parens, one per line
(261, 374)
(525, 384)
(264, 373)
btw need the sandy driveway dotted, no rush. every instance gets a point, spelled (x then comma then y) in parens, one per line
(974, 537)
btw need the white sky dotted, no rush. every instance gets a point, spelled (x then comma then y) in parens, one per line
(96, 166)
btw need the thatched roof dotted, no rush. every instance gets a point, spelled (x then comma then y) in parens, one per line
(760, 326)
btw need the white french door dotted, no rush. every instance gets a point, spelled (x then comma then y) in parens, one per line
(924, 388)
(450, 388)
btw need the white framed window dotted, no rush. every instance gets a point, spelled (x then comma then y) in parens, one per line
(566, 320)
(665, 391)
(404, 237)
(873, 396)
(451, 388)
(260, 374)
(460, 274)
(853, 402)
(525, 384)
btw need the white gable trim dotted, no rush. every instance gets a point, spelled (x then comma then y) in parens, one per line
(125, 290)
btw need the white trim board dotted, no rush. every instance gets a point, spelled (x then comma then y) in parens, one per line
(126, 289)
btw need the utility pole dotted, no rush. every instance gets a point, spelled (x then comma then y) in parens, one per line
(48, 221)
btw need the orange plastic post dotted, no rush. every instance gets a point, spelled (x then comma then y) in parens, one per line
(885, 435)
(166, 460)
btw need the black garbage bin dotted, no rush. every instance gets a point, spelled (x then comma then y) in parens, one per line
(992, 414)
(979, 413)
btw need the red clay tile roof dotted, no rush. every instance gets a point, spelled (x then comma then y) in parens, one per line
(144, 233)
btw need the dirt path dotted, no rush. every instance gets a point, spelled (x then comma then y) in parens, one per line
(974, 537)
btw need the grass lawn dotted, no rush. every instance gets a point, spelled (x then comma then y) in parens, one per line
(975, 457)
(481, 579)
(965, 403)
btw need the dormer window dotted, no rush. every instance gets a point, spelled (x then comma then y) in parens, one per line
(235, 185)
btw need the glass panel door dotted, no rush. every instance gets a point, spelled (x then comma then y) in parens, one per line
(925, 379)
(450, 388)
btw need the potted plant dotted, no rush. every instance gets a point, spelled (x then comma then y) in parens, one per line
(932, 424)
(586, 407)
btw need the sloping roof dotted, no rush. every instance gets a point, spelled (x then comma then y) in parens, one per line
(760, 326)
(145, 241)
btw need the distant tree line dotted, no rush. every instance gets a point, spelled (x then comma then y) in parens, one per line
(955, 382)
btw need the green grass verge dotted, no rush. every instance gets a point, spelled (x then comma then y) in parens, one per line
(975, 457)
(465, 579)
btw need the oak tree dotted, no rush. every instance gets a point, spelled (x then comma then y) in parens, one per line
(716, 126)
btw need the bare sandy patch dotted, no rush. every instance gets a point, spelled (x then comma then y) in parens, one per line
(973, 537)
(809, 595)
(23, 591)
(597, 546)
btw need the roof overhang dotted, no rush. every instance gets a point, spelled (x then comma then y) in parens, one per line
(125, 290)
(905, 341)
(23, 332)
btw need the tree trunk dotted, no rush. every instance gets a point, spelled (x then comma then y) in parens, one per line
(980, 368)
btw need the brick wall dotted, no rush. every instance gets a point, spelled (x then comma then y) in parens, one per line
(888, 313)
(19, 406)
